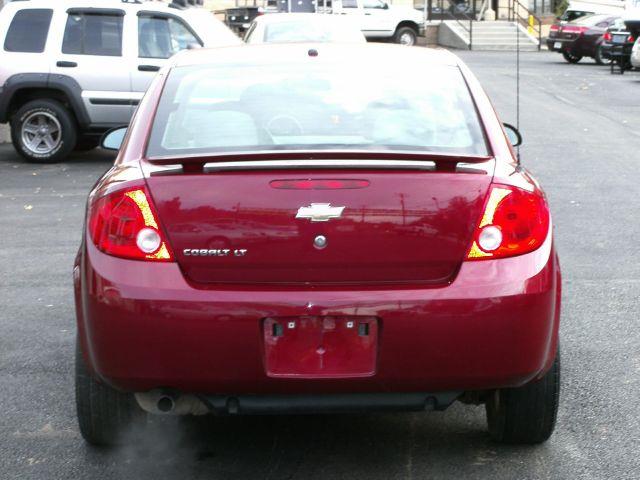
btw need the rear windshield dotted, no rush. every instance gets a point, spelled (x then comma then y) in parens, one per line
(237, 108)
(591, 20)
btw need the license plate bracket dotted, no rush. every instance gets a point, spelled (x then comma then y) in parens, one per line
(320, 346)
(557, 45)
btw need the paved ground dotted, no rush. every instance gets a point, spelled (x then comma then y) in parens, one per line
(581, 139)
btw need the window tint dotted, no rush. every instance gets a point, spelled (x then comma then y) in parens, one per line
(93, 34)
(28, 31)
(162, 37)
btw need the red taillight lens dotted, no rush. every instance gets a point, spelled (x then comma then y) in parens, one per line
(124, 224)
(319, 184)
(514, 222)
(607, 36)
(631, 39)
(554, 28)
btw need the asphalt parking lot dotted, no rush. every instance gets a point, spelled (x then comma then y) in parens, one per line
(582, 137)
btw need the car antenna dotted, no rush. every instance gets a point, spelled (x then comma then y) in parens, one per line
(517, 87)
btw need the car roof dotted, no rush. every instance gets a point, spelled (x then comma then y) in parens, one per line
(287, 17)
(111, 4)
(289, 53)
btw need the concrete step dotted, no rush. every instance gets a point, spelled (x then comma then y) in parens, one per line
(499, 36)
(504, 47)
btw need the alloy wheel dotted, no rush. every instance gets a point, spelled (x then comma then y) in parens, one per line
(41, 133)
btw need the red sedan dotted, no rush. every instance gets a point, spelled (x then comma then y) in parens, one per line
(328, 228)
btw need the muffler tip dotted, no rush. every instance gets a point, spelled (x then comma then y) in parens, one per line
(165, 404)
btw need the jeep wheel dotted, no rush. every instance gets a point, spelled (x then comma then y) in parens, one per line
(406, 36)
(43, 131)
(105, 415)
(527, 414)
(600, 58)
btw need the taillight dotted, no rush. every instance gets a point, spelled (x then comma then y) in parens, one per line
(554, 28)
(574, 29)
(631, 39)
(607, 36)
(514, 222)
(124, 224)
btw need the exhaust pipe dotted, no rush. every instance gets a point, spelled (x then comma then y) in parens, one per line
(163, 402)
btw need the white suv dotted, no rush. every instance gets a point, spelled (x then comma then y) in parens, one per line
(72, 69)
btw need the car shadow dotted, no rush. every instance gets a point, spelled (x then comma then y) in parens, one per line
(329, 446)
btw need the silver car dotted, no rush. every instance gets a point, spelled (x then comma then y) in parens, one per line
(72, 69)
(303, 27)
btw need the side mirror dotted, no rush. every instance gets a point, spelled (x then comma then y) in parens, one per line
(112, 140)
(513, 134)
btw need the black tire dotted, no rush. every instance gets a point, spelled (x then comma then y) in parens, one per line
(64, 139)
(525, 415)
(570, 57)
(403, 33)
(105, 415)
(599, 58)
(86, 143)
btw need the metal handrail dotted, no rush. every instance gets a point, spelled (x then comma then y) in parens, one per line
(515, 7)
(466, 17)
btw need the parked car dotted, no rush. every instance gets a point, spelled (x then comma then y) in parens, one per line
(616, 45)
(377, 19)
(412, 262)
(578, 9)
(635, 54)
(67, 76)
(303, 27)
(581, 38)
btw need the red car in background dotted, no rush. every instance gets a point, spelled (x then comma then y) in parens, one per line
(291, 229)
(581, 38)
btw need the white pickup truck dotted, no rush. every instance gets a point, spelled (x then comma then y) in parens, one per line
(379, 20)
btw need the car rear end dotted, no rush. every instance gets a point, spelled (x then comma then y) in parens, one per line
(290, 243)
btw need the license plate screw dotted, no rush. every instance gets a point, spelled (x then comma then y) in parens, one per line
(291, 325)
(349, 324)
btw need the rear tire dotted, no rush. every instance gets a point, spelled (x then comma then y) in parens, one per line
(406, 36)
(570, 57)
(599, 58)
(43, 131)
(104, 414)
(525, 415)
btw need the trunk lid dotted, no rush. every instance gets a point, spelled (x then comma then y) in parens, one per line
(397, 226)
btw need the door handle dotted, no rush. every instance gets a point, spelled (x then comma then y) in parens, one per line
(148, 68)
(63, 64)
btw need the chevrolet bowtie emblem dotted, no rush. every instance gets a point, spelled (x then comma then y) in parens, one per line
(319, 212)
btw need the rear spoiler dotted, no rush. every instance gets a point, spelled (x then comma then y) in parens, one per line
(274, 159)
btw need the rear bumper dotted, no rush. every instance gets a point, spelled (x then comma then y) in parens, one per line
(336, 403)
(560, 45)
(142, 326)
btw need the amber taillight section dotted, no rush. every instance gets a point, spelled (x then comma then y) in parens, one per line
(514, 222)
(124, 224)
